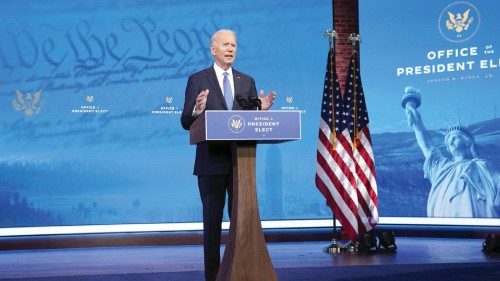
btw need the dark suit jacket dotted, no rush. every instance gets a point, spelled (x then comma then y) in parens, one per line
(213, 158)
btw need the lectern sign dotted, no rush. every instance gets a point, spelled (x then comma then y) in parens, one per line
(252, 125)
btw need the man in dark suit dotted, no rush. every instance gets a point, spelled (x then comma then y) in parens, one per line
(214, 88)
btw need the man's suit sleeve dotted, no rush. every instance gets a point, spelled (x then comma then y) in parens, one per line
(191, 93)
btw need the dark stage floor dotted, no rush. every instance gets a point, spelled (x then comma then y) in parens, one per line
(123, 263)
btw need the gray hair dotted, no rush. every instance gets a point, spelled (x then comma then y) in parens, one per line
(212, 40)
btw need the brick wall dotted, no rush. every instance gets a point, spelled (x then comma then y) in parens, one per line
(345, 22)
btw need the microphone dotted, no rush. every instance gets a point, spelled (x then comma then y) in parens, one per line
(242, 101)
(255, 102)
(249, 104)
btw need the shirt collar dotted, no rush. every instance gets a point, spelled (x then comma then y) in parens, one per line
(219, 71)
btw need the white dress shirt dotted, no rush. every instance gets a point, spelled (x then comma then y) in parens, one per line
(219, 72)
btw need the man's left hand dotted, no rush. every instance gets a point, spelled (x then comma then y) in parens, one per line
(266, 100)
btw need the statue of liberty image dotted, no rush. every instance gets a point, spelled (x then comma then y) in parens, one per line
(462, 185)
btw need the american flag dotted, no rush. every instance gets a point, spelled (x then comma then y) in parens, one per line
(356, 115)
(345, 172)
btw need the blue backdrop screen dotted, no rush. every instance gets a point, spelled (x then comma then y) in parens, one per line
(447, 52)
(91, 94)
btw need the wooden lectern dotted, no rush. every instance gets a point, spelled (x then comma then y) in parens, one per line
(246, 256)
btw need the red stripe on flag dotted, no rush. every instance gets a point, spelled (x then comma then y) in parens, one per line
(340, 216)
(337, 183)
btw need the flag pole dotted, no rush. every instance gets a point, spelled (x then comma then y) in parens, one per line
(334, 246)
(354, 39)
(332, 35)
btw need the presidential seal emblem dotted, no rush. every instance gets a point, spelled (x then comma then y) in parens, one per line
(236, 124)
(28, 103)
(459, 22)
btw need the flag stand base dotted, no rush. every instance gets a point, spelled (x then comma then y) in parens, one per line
(352, 247)
(334, 247)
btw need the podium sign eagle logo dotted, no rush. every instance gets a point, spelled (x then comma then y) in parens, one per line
(459, 21)
(236, 124)
(28, 103)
